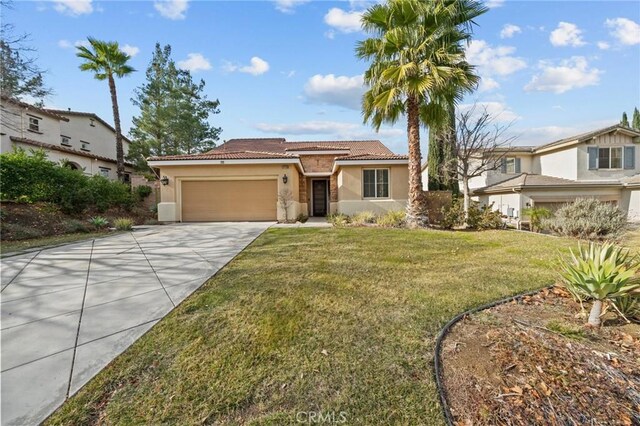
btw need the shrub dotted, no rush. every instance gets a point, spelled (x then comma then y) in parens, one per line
(123, 224)
(392, 219)
(363, 218)
(628, 306)
(338, 219)
(480, 217)
(601, 272)
(99, 222)
(589, 219)
(106, 193)
(302, 218)
(19, 232)
(536, 215)
(143, 191)
(74, 226)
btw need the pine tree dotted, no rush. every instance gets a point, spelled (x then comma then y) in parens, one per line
(625, 121)
(174, 112)
(635, 120)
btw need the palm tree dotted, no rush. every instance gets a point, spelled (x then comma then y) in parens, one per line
(106, 60)
(417, 67)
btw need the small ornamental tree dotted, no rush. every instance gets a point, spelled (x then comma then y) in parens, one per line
(625, 121)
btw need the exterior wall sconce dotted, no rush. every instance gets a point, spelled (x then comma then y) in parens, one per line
(285, 179)
(164, 180)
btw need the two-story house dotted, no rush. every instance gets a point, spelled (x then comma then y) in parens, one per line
(80, 140)
(602, 164)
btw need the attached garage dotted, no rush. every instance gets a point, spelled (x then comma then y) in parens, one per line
(229, 200)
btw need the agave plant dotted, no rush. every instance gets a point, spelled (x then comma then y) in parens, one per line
(601, 272)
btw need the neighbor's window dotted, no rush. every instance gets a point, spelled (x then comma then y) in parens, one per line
(85, 146)
(65, 140)
(92, 122)
(610, 158)
(34, 124)
(104, 171)
(511, 164)
(376, 183)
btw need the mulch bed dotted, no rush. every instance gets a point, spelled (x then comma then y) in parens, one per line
(532, 361)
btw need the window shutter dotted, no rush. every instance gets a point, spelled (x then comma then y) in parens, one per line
(503, 165)
(629, 157)
(593, 157)
(518, 165)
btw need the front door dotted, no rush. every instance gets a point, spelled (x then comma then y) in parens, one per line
(319, 191)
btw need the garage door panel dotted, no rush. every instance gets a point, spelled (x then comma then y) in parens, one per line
(229, 200)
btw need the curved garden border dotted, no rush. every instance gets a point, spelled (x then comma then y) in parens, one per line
(445, 330)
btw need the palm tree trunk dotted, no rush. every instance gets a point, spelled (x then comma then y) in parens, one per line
(594, 315)
(416, 216)
(116, 122)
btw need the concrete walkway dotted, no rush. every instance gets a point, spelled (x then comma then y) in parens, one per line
(68, 311)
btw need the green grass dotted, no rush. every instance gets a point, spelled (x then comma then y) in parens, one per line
(14, 246)
(325, 320)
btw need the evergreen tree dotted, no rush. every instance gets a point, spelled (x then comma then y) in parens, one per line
(441, 155)
(625, 121)
(174, 112)
(635, 120)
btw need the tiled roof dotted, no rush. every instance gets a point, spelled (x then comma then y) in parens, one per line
(279, 145)
(525, 180)
(226, 155)
(62, 112)
(34, 108)
(63, 149)
(373, 157)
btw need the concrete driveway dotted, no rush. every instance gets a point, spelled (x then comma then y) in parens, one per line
(68, 311)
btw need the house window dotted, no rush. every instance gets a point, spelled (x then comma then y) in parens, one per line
(510, 165)
(104, 171)
(610, 158)
(375, 183)
(92, 122)
(85, 146)
(65, 140)
(34, 124)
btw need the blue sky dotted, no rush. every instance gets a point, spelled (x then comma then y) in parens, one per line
(286, 68)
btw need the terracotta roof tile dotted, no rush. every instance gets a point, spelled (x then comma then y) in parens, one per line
(373, 157)
(34, 108)
(226, 155)
(279, 145)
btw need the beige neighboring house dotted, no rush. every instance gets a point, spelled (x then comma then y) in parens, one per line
(602, 164)
(242, 179)
(83, 139)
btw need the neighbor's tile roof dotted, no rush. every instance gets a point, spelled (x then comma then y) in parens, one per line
(226, 155)
(34, 108)
(525, 180)
(279, 145)
(373, 157)
(64, 149)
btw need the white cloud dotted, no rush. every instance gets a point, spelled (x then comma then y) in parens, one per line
(172, 9)
(343, 21)
(195, 62)
(603, 45)
(499, 111)
(257, 66)
(64, 44)
(288, 74)
(567, 34)
(625, 30)
(335, 90)
(130, 50)
(573, 73)
(492, 4)
(487, 84)
(509, 30)
(288, 6)
(494, 60)
(73, 7)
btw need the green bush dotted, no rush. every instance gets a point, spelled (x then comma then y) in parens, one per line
(302, 218)
(363, 218)
(74, 226)
(338, 219)
(392, 219)
(30, 177)
(99, 222)
(588, 219)
(123, 224)
(628, 306)
(480, 216)
(143, 191)
(536, 215)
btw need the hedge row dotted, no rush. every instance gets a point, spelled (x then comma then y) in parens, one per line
(31, 177)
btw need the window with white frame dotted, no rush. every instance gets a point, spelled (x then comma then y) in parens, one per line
(375, 183)
(65, 140)
(34, 124)
(610, 158)
(85, 146)
(104, 171)
(511, 164)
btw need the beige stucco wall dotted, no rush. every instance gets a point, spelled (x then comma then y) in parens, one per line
(351, 200)
(15, 122)
(616, 140)
(630, 202)
(170, 208)
(102, 140)
(561, 163)
(504, 202)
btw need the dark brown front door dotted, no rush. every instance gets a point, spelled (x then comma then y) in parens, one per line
(319, 197)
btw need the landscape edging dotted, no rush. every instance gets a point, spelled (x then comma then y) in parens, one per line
(437, 364)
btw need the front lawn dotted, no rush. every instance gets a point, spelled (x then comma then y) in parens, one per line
(340, 322)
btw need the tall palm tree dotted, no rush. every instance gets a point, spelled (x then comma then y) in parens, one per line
(107, 61)
(417, 61)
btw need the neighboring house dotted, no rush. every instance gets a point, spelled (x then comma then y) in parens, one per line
(242, 179)
(602, 164)
(83, 140)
